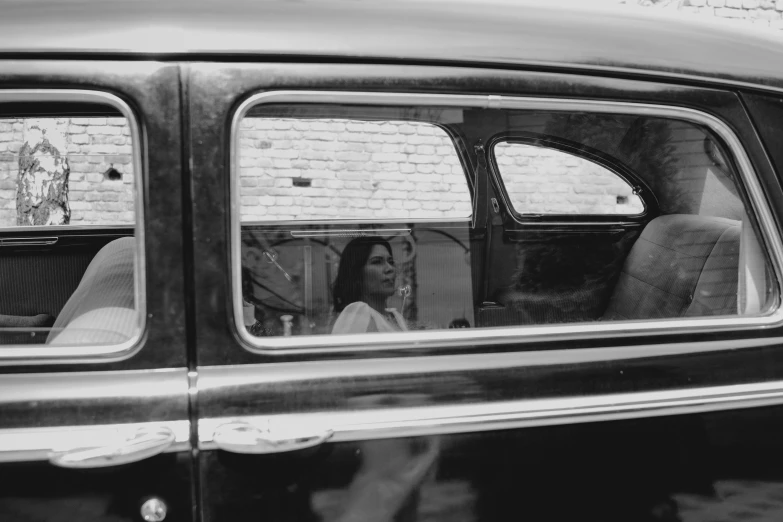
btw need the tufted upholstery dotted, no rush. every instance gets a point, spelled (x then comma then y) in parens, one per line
(681, 265)
(102, 309)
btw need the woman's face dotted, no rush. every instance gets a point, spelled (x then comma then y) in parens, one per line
(379, 273)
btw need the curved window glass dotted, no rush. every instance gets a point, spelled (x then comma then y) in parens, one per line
(546, 181)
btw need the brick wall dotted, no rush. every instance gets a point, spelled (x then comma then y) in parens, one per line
(546, 181)
(354, 169)
(93, 146)
(765, 13)
(11, 139)
(311, 169)
(351, 169)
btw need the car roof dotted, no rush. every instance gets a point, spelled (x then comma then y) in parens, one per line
(625, 41)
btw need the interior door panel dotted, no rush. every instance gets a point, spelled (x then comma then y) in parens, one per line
(544, 273)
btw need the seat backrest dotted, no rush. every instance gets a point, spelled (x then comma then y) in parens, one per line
(102, 309)
(681, 265)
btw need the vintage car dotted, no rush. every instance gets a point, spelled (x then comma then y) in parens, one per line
(388, 261)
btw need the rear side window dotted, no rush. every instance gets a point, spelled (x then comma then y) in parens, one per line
(543, 180)
(359, 219)
(69, 204)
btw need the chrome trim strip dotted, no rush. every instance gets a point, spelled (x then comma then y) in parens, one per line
(28, 241)
(356, 222)
(214, 379)
(474, 337)
(356, 232)
(574, 223)
(62, 228)
(82, 387)
(441, 420)
(43, 354)
(32, 444)
(193, 410)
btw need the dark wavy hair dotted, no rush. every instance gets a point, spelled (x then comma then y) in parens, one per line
(347, 287)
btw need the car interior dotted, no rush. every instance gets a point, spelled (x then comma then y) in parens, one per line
(692, 251)
(72, 284)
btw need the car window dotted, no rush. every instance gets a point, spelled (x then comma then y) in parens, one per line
(68, 218)
(543, 180)
(341, 169)
(366, 260)
(91, 167)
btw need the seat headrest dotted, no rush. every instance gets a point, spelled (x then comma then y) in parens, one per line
(102, 309)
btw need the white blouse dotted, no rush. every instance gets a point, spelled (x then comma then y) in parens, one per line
(358, 317)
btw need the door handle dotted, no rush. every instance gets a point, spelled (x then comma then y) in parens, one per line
(244, 437)
(137, 445)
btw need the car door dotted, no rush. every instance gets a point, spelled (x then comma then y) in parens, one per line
(94, 393)
(663, 407)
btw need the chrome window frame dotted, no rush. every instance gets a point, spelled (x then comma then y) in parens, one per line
(472, 337)
(40, 354)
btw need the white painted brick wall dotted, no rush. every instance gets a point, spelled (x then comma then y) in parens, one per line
(93, 146)
(759, 13)
(546, 181)
(357, 170)
(396, 169)
(11, 140)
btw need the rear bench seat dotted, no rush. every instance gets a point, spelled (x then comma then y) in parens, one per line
(681, 265)
(102, 309)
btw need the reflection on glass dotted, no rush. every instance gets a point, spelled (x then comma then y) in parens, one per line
(395, 477)
(387, 485)
(428, 287)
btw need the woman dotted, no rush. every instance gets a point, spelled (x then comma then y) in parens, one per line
(387, 484)
(365, 280)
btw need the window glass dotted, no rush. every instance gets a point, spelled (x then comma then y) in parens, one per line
(340, 169)
(366, 171)
(362, 260)
(543, 180)
(86, 161)
(67, 215)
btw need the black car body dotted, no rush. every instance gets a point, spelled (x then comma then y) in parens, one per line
(561, 364)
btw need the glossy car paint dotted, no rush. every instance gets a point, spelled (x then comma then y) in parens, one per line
(497, 33)
(464, 394)
(610, 427)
